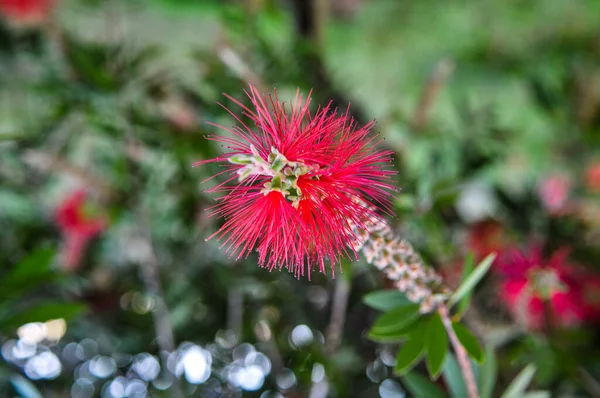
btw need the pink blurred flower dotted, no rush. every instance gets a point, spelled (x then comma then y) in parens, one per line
(539, 290)
(28, 12)
(554, 193)
(296, 182)
(77, 227)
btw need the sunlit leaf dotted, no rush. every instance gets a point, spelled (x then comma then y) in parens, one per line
(537, 394)
(466, 271)
(472, 280)
(516, 389)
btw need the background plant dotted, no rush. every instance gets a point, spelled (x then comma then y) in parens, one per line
(493, 113)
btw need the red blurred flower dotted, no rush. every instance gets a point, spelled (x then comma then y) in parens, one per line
(26, 11)
(539, 290)
(297, 182)
(485, 237)
(592, 177)
(554, 193)
(77, 227)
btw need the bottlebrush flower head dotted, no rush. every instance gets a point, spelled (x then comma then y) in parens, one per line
(26, 11)
(77, 227)
(540, 291)
(401, 264)
(296, 182)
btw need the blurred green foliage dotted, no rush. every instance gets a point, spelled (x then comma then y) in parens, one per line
(116, 96)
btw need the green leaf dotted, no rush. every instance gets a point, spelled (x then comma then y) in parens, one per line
(463, 304)
(385, 300)
(391, 337)
(517, 387)
(30, 266)
(436, 343)
(489, 369)
(473, 279)
(420, 386)
(396, 319)
(43, 313)
(537, 394)
(453, 377)
(468, 341)
(24, 387)
(409, 355)
(34, 269)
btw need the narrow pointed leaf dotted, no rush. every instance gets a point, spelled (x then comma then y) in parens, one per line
(397, 319)
(385, 300)
(24, 387)
(537, 394)
(390, 337)
(420, 386)
(463, 304)
(468, 341)
(489, 368)
(453, 377)
(409, 354)
(472, 280)
(517, 387)
(436, 343)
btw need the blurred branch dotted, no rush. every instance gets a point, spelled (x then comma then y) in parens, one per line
(162, 320)
(50, 163)
(335, 329)
(333, 335)
(264, 334)
(310, 17)
(431, 92)
(589, 382)
(461, 354)
(587, 99)
(320, 16)
(113, 26)
(236, 64)
(235, 310)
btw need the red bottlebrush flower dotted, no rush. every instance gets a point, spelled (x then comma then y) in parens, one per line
(554, 193)
(538, 290)
(77, 227)
(297, 182)
(26, 11)
(592, 177)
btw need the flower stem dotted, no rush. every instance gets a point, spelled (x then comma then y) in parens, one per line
(461, 354)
